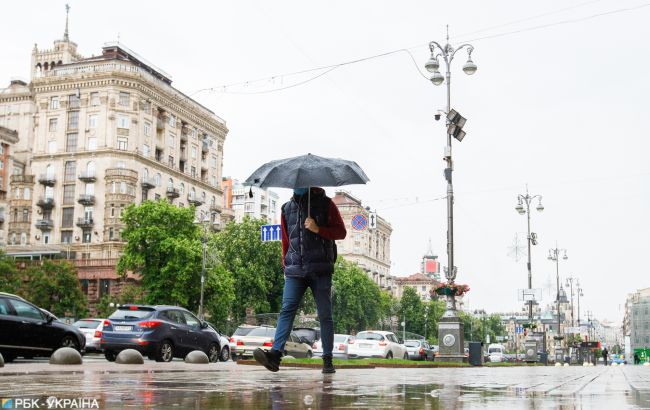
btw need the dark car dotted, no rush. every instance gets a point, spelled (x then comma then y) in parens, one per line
(28, 331)
(311, 335)
(419, 350)
(158, 332)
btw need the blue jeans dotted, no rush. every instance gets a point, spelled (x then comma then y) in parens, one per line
(294, 289)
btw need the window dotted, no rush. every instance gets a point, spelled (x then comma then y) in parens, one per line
(13, 238)
(66, 237)
(191, 320)
(192, 193)
(27, 193)
(71, 142)
(51, 146)
(104, 286)
(213, 161)
(86, 237)
(67, 219)
(156, 179)
(111, 234)
(49, 192)
(122, 187)
(146, 106)
(68, 194)
(171, 139)
(70, 170)
(171, 161)
(146, 150)
(157, 197)
(145, 194)
(84, 286)
(124, 99)
(53, 123)
(73, 120)
(92, 143)
(88, 213)
(123, 121)
(73, 101)
(193, 152)
(25, 215)
(112, 211)
(54, 103)
(46, 238)
(23, 309)
(170, 183)
(122, 143)
(17, 194)
(94, 99)
(182, 188)
(172, 120)
(92, 121)
(193, 172)
(90, 189)
(147, 128)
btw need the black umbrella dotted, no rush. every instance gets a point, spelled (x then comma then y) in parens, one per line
(306, 171)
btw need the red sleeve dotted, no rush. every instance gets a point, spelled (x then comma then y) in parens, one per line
(335, 228)
(285, 239)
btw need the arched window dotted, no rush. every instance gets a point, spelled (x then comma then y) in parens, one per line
(23, 238)
(192, 193)
(46, 66)
(157, 179)
(170, 183)
(203, 197)
(49, 171)
(145, 174)
(27, 193)
(212, 201)
(182, 188)
(90, 169)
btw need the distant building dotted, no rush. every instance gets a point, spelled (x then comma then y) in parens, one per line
(430, 265)
(422, 284)
(366, 246)
(636, 322)
(254, 202)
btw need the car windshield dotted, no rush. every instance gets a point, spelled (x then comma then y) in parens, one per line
(369, 336)
(262, 331)
(86, 324)
(242, 331)
(339, 338)
(132, 314)
(495, 350)
(412, 343)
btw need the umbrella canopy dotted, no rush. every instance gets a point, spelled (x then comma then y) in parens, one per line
(306, 171)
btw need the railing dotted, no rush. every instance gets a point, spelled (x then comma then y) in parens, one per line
(45, 202)
(87, 176)
(86, 199)
(121, 172)
(48, 180)
(44, 224)
(81, 222)
(28, 179)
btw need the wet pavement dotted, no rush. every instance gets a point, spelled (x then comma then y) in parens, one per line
(178, 385)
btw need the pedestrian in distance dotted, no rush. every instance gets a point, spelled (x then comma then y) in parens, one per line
(605, 354)
(637, 359)
(311, 223)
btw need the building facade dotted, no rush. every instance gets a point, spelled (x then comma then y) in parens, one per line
(422, 284)
(96, 135)
(368, 247)
(636, 322)
(254, 202)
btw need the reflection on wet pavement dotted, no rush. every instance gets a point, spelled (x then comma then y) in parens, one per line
(231, 386)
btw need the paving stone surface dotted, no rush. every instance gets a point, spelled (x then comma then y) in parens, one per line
(178, 385)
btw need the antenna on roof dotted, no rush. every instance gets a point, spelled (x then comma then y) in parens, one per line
(66, 37)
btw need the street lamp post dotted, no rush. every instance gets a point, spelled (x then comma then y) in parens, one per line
(532, 238)
(554, 255)
(579, 293)
(450, 329)
(569, 282)
(204, 219)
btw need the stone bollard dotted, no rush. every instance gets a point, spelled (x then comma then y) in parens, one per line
(288, 357)
(66, 355)
(558, 364)
(614, 364)
(129, 356)
(646, 364)
(197, 357)
(566, 364)
(585, 364)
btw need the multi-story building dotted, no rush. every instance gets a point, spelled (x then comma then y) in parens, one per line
(98, 134)
(422, 284)
(251, 201)
(636, 322)
(368, 247)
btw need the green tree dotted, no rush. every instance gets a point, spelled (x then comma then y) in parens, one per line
(219, 295)
(55, 286)
(388, 307)
(411, 311)
(131, 293)
(255, 266)
(436, 308)
(104, 308)
(9, 276)
(356, 298)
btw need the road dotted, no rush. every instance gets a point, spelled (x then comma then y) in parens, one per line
(178, 385)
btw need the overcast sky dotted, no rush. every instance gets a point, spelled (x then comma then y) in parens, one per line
(560, 108)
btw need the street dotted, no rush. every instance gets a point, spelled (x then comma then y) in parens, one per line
(229, 385)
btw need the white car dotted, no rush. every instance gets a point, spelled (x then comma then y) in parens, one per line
(496, 353)
(92, 330)
(340, 348)
(376, 343)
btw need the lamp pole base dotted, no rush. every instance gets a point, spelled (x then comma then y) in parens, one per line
(451, 340)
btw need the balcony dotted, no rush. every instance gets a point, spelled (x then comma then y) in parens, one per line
(205, 147)
(172, 192)
(26, 179)
(215, 208)
(192, 199)
(85, 223)
(160, 124)
(45, 203)
(86, 200)
(183, 156)
(204, 165)
(47, 180)
(45, 224)
(147, 183)
(88, 177)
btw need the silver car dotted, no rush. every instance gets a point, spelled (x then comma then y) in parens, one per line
(340, 349)
(92, 330)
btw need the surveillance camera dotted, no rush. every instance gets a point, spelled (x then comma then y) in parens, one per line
(437, 116)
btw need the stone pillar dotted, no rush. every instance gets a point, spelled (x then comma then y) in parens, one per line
(451, 339)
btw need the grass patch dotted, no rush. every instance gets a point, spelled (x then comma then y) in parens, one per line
(374, 363)
(508, 364)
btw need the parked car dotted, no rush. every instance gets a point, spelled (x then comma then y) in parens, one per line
(312, 335)
(158, 332)
(258, 336)
(496, 353)
(375, 343)
(27, 331)
(419, 350)
(298, 346)
(224, 356)
(340, 348)
(92, 330)
(237, 347)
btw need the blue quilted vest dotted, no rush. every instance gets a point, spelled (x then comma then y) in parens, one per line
(308, 252)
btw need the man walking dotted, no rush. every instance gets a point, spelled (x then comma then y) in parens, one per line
(311, 223)
(605, 354)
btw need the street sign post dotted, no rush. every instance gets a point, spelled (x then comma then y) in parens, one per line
(372, 220)
(271, 233)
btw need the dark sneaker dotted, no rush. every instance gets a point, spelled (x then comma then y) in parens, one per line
(270, 359)
(328, 366)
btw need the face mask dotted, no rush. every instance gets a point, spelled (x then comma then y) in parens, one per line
(300, 191)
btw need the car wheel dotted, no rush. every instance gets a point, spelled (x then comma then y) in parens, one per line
(69, 341)
(389, 355)
(165, 351)
(225, 354)
(309, 354)
(214, 353)
(110, 356)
